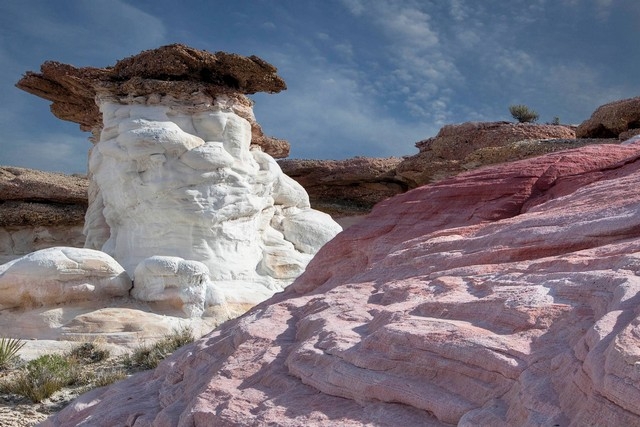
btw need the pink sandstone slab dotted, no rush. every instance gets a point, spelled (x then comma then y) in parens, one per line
(506, 296)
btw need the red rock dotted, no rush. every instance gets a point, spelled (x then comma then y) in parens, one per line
(504, 296)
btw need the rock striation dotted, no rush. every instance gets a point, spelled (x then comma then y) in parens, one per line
(618, 119)
(504, 296)
(346, 187)
(39, 210)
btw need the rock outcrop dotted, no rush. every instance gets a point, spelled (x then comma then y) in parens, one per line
(619, 119)
(175, 69)
(346, 187)
(461, 147)
(503, 296)
(200, 223)
(39, 210)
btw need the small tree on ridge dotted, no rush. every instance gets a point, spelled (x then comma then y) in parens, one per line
(523, 114)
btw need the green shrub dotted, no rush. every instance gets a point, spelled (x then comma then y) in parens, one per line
(42, 377)
(9, 348)
(148, 357)
(523, 114)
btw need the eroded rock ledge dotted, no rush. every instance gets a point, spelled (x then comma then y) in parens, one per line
(39, 210)
(175, 70)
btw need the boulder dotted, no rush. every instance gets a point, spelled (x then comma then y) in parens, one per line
(61, 275)
(184, 284)
(504, 296)
(618, 119)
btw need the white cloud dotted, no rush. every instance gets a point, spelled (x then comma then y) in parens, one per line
(326, 113)
(355, 6)
(269, 25)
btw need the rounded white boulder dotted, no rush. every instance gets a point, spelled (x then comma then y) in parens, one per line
(61, 275)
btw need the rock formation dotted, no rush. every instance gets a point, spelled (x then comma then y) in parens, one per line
(346, 187)
(39, 210)
(503, 296)
(618, 119)
(61, 275)
(457, 148)
(176, 70)
(203, 221)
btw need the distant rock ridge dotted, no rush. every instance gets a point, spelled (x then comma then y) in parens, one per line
(351, 187)
(40, 210)
(346, 187)
(174, 70)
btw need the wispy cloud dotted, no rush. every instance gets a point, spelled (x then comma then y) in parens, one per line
(83, 33)
(52, 151)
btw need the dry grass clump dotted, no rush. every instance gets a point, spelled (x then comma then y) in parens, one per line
(149, 356)
(86, 366)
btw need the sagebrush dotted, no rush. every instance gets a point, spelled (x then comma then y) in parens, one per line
(523, 114)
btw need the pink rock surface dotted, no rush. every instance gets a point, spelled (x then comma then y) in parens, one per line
(506, 296)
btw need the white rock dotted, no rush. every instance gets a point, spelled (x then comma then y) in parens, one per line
(183, 284)
(169, 181)
(61, 275)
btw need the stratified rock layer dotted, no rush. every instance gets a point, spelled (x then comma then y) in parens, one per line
(39, 210)
(346, 187)
(175, 70)
(459, 147)
(504, 296)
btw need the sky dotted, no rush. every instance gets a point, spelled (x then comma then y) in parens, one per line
(365, 77)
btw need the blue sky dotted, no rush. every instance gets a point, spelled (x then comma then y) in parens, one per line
(365, 77)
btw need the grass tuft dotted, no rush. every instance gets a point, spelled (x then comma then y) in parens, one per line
(87, 353)
(149, 356)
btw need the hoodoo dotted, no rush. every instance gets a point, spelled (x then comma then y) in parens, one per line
(184, 191)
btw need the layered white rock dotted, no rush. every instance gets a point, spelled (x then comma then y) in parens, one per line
(61, 275)
(172, 179)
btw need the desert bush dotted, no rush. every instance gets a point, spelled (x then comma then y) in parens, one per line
(89, 353)
(42, 377)
(9, 348)
(523, 114)
(149, 356)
